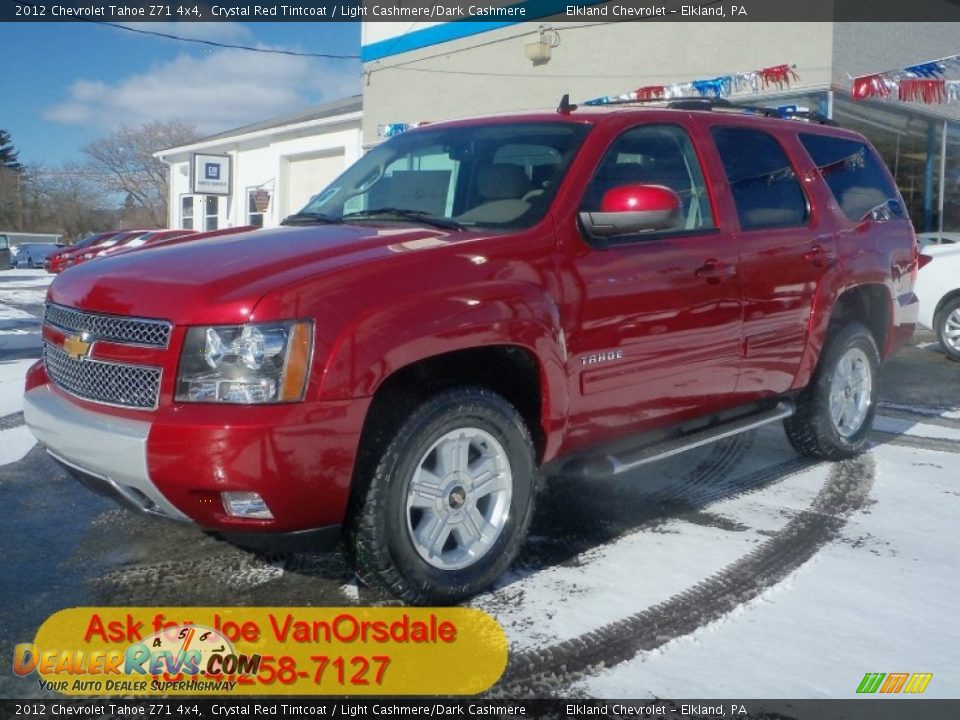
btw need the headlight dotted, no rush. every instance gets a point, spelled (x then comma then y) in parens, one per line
(264, 363)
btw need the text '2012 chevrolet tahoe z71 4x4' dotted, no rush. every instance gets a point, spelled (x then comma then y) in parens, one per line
(474, 303)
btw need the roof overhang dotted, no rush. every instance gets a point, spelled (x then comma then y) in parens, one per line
(170, 155)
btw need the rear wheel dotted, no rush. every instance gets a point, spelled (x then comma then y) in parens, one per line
(450, 501)
(948, 328)
(835, 412)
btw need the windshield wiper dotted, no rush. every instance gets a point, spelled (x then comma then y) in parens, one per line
(421, 216)
(306, 218)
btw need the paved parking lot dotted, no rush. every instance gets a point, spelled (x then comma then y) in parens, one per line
(740, 569)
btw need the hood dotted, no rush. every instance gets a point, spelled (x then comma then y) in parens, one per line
(220, 279)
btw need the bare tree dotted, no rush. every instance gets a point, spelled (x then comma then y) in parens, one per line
(126, 163)
(68, 199)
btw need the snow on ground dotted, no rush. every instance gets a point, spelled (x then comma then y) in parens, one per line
(948, 413)
(24, 286)
(17, 441)
(882, 599)
(547, 607)
(15, 444)
(916, 429)
(19, 329)
(12, 374)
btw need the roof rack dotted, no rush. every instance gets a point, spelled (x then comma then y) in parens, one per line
(697, 102)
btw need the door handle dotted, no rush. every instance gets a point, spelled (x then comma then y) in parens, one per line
(713, 271)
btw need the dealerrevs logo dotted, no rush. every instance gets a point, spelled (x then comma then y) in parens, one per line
(184, 656)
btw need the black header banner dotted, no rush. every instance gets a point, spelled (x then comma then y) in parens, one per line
(488, 11)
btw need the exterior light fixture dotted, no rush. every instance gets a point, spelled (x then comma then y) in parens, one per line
(539, 52)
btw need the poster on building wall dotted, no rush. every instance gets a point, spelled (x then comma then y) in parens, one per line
(210, 174)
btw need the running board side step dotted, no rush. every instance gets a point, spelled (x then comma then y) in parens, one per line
(605, 465)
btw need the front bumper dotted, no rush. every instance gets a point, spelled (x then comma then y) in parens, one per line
(110, 452)
(177, 461)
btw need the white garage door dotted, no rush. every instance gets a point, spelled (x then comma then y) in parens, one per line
(308, 176)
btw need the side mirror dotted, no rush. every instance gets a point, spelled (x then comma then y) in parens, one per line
(629, 209)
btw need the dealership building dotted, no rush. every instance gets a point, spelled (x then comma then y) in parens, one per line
(260, 173)
(420, 72)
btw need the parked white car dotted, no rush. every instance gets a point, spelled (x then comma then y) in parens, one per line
(938, 287)
(925, 240)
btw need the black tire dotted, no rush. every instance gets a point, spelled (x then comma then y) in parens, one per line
(812, 429)
(944, 319)
(382, 531)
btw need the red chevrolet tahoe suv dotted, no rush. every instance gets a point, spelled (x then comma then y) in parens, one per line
(475, 304)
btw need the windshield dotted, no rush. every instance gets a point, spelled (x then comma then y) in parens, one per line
(501, 176)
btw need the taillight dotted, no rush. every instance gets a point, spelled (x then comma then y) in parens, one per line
(922, 260)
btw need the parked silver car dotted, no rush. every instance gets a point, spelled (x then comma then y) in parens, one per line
(32, 255)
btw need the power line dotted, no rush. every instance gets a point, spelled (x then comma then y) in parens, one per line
(227, 46)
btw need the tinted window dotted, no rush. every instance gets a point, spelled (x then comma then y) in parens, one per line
(853, 173)
(764, 186)
(654, 155)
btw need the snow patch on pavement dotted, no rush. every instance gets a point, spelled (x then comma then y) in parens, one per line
(915, 429)
(947, 413)
(15, 444)
(876, 600)
(8, 313)
(641, 569)
(12, 374)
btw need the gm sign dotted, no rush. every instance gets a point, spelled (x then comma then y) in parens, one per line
(210, 174)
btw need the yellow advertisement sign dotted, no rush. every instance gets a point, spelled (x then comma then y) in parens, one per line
(265, 651)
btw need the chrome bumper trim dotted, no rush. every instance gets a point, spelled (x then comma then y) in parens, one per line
(109, 448)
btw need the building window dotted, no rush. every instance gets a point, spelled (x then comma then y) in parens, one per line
(186, 212)
(212, 212)
(254, 216)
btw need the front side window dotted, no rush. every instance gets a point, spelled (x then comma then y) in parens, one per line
(655, 155)
(764, 185)
(852, 172)
(498, 176)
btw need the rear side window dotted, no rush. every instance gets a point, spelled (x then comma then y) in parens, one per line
(852, 172)
(765, 188)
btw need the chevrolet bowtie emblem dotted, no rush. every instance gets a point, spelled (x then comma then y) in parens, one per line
(77, 346)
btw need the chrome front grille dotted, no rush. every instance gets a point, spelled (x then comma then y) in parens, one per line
(133, 386)
(114, 328)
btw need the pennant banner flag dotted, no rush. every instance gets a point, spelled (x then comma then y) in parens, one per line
(925, 82)
(748, 82)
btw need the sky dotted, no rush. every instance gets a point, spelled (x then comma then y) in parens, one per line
(63, 85)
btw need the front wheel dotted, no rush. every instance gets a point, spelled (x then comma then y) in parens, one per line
(835, 412)
(450, 501)
(948, 329)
